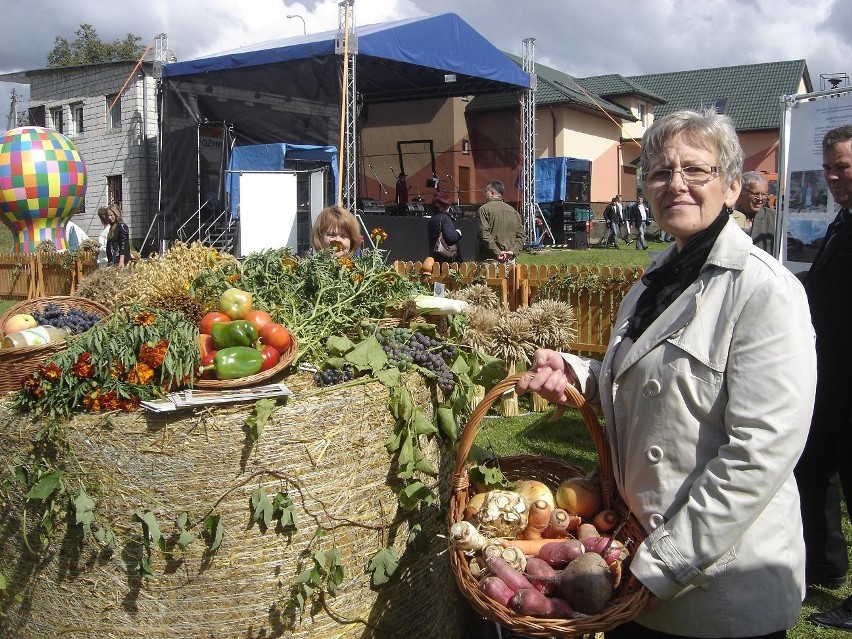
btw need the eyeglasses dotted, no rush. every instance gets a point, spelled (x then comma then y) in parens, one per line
(698, 174)
(757, 196)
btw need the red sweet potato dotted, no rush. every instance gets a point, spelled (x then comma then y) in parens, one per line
(497, 589)
(560, 553)
(532, 603)
(499, 567)
(537, 567)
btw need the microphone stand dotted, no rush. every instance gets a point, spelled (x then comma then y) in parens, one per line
(381, 185)
(456, 189)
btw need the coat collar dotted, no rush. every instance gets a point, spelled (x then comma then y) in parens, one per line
(730, 252)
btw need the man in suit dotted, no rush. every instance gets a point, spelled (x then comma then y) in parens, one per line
(760, 219)
(612, 217)
(825, 458)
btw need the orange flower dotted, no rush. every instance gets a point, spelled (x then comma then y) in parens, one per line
(92, 401)
(140, 374)
(111, 401)
(357, 278)
(145, 318)
(233, 278)
(83, 368)
(378, 235)
(288, 264)
(153, 356)
(51, 372)
(130, 403)
(30, 383)
(345, 262)
(117, 369)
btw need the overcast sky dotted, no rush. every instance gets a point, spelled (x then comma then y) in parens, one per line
(579, 37)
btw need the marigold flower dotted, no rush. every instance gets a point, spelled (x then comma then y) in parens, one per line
(346, 262)
(117, 369)
(83, 368)
(92, 401)
(153, 356)
(233, 278)
(288, 263)
(357, 278)
(111, 401)
(50, 372)
(145, 318)
(140, 374)
(30, 382)
(131, 403)
(378, 235)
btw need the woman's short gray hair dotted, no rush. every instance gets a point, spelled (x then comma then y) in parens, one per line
(709, 130)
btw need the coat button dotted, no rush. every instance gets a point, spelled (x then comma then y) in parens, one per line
(651, 388)
(656, 520)
(654, 454)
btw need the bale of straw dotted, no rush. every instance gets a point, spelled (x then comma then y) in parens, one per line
(326, 451)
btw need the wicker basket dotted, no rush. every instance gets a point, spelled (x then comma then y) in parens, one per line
(253, 380)
(629, 599)
(17, 363)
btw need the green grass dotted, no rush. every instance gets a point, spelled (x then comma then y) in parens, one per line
(568, 439)
(624, 257)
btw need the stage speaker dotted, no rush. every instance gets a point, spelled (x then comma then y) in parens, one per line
(577, 186)
(371, 207)
(577, 240)
(415, 208)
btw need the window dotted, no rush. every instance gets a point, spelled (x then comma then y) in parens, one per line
(466, 147)
(114, 195)
(643, 114)
(56, 119)
(113, 105)
(77, 117)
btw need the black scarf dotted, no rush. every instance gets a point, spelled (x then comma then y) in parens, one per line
(666, 283)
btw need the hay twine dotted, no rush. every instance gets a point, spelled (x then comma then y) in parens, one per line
(327, 451)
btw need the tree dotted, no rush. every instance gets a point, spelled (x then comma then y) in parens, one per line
(88, 48)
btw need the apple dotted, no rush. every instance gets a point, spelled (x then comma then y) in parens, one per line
(235, 303)
(19, 322)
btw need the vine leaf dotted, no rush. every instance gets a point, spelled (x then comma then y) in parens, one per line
(414, 493)
(284, 510)
(338, 345)
(383, 566)
(368, 355)
(256, 422)
(261, 508)
(214, 531)
(49, 482)
(84, 510)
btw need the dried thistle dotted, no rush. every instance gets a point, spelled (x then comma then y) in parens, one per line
(478, 329)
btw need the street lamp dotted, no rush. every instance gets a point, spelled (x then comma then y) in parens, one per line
(304, 28)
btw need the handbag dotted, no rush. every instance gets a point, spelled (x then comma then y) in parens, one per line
(441, 247)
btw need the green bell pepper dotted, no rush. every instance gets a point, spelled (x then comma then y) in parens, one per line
(237, 361)
(234, 333)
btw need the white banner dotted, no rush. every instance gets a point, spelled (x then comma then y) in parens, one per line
(807, 206)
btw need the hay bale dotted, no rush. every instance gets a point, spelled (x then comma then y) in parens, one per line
(327, 451)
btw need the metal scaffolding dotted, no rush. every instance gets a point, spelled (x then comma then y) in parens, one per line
(346, 45)
(528, 142)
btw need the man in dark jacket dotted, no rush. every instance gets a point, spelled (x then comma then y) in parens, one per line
(825, 458)
(612, 217)
(501, 233)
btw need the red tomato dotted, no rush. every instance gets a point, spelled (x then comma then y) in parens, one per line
(206, 361)
(205, 344)
(276, 336)
(259, 319)
(270, 358)
(211, 318)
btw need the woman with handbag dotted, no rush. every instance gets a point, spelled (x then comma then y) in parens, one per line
(444, 237)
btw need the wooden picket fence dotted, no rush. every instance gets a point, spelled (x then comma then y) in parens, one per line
(593, 292)
(27, 275)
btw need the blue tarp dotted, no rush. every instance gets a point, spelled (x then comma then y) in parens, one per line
(551, 177)
(443, 42)
(271, 157)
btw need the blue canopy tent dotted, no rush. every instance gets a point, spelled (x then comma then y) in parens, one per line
(289, 90)
(551, 177)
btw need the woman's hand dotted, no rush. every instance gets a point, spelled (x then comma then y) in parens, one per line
(548, 376)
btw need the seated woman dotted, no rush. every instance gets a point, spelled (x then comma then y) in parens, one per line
(336, 226)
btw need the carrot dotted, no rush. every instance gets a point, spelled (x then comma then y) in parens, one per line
(539, 518)
(526, 546)
(561, 521)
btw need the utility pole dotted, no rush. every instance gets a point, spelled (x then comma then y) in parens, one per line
(12, 120)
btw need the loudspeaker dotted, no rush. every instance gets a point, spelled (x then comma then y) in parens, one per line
(415, 208)
(577, 240)
(371, 207)
(577, 186)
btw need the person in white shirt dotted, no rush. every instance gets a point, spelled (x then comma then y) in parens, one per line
(638, 214)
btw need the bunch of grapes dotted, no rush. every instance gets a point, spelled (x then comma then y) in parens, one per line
(74, 320)
(405, 348)
(332, 376)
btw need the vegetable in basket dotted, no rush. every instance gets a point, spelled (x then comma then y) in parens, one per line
(236, 362)
(233, 333)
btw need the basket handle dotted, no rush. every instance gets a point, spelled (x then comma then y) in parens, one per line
(574, 399)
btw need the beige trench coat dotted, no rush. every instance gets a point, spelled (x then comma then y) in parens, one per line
(706, 417)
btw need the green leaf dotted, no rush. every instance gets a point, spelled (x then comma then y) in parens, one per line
(423, 426)
(182, 520)
(493, 370)
(423, 465)
(383, 566)
(214, 531)
(406, 453)
(256, 422)
(368, 355)
(414, 493)
(447, 424)
(45, 487)
(394, 442)
(185, 539)
(338, 345)
(388, 376)
(261, 508)
(84, 509)
(284, 510)
(460, 367)
(150, 529)
(417, 539)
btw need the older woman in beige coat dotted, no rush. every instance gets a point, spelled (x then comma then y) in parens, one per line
(707, 389)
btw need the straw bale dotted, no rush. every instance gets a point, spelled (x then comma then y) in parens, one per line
(326, 450)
